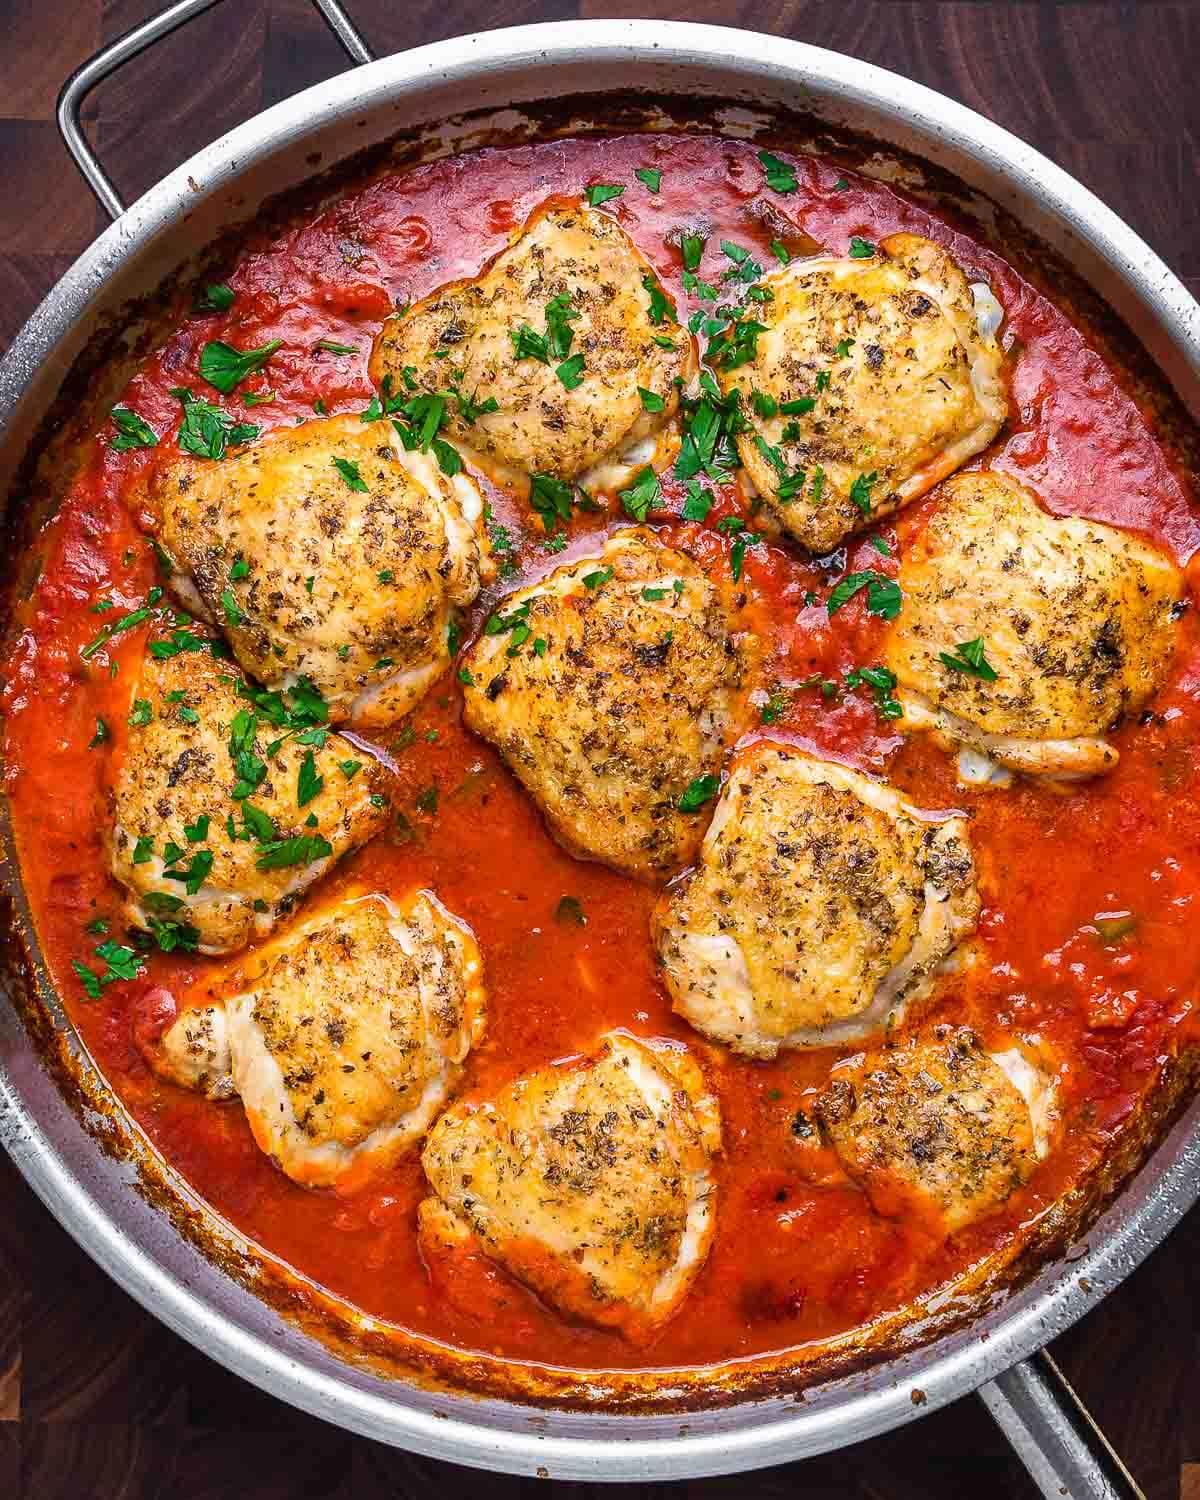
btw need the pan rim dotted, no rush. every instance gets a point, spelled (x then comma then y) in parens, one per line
(948, 1368)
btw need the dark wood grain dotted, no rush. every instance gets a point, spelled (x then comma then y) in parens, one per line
(99, 1400)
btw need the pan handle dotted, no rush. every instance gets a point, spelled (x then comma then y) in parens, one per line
(110, 58)
(1054, 1434)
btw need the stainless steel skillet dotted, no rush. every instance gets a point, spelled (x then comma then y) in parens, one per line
(90, 1189)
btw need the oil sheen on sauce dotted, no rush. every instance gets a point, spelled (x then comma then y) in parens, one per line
(798, 1255)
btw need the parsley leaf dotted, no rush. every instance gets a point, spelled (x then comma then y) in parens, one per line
(310, 780)
(883, 594)
(642, 496)
(882, 683)
(970, 657)
(348, 469)
(860, 491)
(697, 504)
(780, 177)
(224, 367)
(861, 249)
(551, 498)
(594, 580)
(692, 246)
(570, 372)
(650, 401)
(206, 430)
(216, 298)
(301, 849)
(661, 310)
(650, 176)
(780, 251)
(698, 793)
(132, 431)
(602, 192)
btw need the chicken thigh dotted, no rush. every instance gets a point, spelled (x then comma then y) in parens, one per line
(351, 1033)
(937, 1128)
(221, 816)
(540, 358)
(589, 1181)
(1027, 636)
(344, 1036)
(822, 905)
(874, 377)
(613, 688)
(328, 552)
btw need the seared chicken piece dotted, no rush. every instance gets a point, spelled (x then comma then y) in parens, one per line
(1074, 621)
(936, 1127)
(822, 905)
(612, 688)
(351, 1033)
(590, 1181)
(191, 743)
(328, 552)
(573, 281)
(193, 1051)
(885, 376)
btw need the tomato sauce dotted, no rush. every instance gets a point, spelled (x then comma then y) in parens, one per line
(799, 1255)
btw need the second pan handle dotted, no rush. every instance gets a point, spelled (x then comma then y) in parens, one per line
(85, 78)
(1067, 1455)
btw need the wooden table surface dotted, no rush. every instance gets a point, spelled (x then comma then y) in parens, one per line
(97, 1400)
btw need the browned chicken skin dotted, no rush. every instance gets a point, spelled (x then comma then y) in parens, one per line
(892, 383)
(344, 1036)
(172, 803)
(617, 683)
(1075, 620)
(823, 903)
(590, 1181)
(936, 1128)
(348, 576)
(542, 423)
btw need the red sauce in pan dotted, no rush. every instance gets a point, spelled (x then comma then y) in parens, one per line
(799, 1255)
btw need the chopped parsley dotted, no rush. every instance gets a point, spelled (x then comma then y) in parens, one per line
(697, 503)
(780, 177)
(301, 849)
(776, 706)
(102, 735)
(132, 431)
(861, 249)
(140, 714)
(570, 372)
(661, 310)
(650, 176)
(602, 192)
(309, 782)
(642, 496)
(331, 348)
(348, 469)
(206, 430)
(216, 297)
(692, 247)
(594, 580)
(650, 401)
(882, 683)
(551, 498)
(698, 793)
(233, 615)
(780, 251)
(970, 657)
(224, 367)
(883, 594)
(860, 491)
